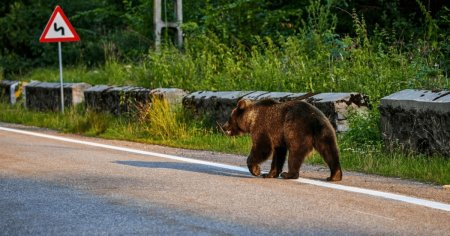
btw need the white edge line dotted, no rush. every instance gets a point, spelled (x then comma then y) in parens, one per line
(386, 195)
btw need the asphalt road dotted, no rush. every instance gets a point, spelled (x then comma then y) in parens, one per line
(54, 187)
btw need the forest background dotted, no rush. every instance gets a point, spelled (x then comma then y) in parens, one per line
(318, 46)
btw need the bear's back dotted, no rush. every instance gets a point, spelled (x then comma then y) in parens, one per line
(313, 120)
(269, 116)
(273, 116)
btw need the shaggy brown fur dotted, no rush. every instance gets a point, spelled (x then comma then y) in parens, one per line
(276, 128)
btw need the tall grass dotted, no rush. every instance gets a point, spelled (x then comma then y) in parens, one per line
(158, 124)
(164, 120)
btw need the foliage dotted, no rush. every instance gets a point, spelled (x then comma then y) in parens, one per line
(123, 28)
(98, 22)
(364, 128)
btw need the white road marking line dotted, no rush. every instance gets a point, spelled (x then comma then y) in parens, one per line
(386, 195)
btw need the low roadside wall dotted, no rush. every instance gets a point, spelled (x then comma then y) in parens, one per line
(336, 106)
(116, 100)
(8, 90)
(127, 99)
(218, 105)
(417, 120)
(43, 96)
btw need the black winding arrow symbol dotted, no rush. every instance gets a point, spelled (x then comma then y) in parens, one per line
(56, 28)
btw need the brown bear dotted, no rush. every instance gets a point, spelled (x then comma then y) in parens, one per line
(276, 128)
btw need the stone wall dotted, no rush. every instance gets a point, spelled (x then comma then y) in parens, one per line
(218, 105)
(43, 96)
(417, 120)
(8, 90)
(336, 106)
(127, 99)
(173, 95)
(116, 100)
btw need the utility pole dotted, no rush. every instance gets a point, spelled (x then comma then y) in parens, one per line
(159, 24)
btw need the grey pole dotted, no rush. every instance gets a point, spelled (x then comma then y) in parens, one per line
(179, 15)
(157, 21)
(61, 77)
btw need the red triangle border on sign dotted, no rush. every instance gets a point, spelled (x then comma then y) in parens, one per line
(43, 38)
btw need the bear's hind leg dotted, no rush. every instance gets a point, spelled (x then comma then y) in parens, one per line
(278, 159)
(329, 151)
(295, 160)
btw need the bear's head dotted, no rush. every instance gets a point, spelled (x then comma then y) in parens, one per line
(239, 121)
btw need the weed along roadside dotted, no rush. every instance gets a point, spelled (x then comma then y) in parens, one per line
(188, 120)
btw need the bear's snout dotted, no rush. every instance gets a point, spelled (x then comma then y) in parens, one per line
(226, 129)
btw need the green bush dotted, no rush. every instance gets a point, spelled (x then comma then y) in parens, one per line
(364, 128)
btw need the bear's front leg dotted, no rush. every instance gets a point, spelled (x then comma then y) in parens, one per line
(253, 167)
(261, 150)
(254, 170)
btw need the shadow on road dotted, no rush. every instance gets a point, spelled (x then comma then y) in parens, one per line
(185, 167)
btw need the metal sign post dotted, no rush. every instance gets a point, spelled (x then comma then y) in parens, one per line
(61, 76)
(59, 29)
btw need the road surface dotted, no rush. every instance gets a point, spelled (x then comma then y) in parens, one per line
(51, 186)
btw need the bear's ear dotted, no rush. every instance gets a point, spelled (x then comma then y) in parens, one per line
(242, 104)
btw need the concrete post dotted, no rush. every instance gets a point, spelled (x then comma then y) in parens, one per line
(159, 24)
(179, 14)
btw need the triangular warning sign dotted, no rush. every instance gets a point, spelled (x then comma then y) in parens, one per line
(58, 29)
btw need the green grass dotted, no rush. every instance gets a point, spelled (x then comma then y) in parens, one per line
(80, 121)
(374, 160)
(359, 151)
